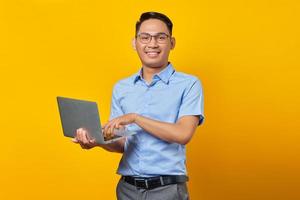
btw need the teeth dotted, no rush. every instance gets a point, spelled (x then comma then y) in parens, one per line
(152, 54)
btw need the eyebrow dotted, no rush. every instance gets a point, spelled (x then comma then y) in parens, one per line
(154, 34)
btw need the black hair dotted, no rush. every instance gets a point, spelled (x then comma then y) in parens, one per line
(153, 15)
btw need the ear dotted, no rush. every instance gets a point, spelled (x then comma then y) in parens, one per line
(133, 43)
(173, 42)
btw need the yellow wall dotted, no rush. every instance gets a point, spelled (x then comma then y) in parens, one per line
(245, 52)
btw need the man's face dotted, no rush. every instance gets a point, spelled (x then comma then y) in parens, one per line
(155, 53)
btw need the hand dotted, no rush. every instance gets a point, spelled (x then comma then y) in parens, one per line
(82, 137)
(118, 123)
(108, 136)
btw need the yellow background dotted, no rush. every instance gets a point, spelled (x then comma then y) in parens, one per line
(245, 52)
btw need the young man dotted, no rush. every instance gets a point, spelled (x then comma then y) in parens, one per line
(164, 107)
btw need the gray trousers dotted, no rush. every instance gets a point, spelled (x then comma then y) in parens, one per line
(126, 191)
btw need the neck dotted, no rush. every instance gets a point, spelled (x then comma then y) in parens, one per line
(148, 72)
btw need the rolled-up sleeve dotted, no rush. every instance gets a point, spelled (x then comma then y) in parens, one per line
(192, 101)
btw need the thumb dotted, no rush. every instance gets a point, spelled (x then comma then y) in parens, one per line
(120, 127)
(74, 140)
(103, 125)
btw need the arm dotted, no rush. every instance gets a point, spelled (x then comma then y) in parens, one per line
(82, 138)
(117, 146)
(181, 132)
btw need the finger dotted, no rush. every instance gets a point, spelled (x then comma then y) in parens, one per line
(83, 144)
(93, 141)
(84, 137)
(108, 132)
(81, 136)
(103, 125)
(88, 138)
(111, 123)
(112, 128)
(108, 124)
(107, 128)
(104, 130)
(120, 126)
(117, 125)
(74, 140)
(79, 133)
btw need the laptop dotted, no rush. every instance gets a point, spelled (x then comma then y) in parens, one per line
(75, 113)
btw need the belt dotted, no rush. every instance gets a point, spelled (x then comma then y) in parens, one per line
(154, 182)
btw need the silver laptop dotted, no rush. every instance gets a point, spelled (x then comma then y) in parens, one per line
(76, 114)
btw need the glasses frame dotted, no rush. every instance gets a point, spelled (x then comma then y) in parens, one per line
(153, 36)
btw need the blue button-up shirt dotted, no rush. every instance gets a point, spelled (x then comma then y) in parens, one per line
(168, 97)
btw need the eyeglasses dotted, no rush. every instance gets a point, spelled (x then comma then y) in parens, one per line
(146, 38)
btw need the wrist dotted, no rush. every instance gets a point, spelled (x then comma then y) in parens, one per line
(136, 116)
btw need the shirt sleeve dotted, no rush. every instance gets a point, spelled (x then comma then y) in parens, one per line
(192, 101)
(115, 109)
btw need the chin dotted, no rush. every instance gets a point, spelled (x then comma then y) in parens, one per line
(153, 64)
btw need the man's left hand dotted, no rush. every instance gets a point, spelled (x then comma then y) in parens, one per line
(118, 122)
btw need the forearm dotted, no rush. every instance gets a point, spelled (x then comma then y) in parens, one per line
(169, 132)
(180, 132)
(117, 146)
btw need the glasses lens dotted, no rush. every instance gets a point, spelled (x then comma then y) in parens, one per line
(144, 37)
(161, 38)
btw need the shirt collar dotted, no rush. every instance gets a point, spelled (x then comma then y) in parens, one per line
(164, 75)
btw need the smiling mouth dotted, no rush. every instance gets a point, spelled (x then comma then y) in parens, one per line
(153, 54)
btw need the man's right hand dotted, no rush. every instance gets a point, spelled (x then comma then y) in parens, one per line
(82, 137)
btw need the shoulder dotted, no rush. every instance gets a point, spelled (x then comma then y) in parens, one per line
(186, 79)
(124, 84)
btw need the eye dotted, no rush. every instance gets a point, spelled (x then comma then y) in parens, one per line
(162, 37)
(144, 37)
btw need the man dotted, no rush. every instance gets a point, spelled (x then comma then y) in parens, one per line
(164, 107)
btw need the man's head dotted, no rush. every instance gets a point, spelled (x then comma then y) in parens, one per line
(154, 15)
(153, 39)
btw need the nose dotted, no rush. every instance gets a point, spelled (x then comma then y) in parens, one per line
(153, 42)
